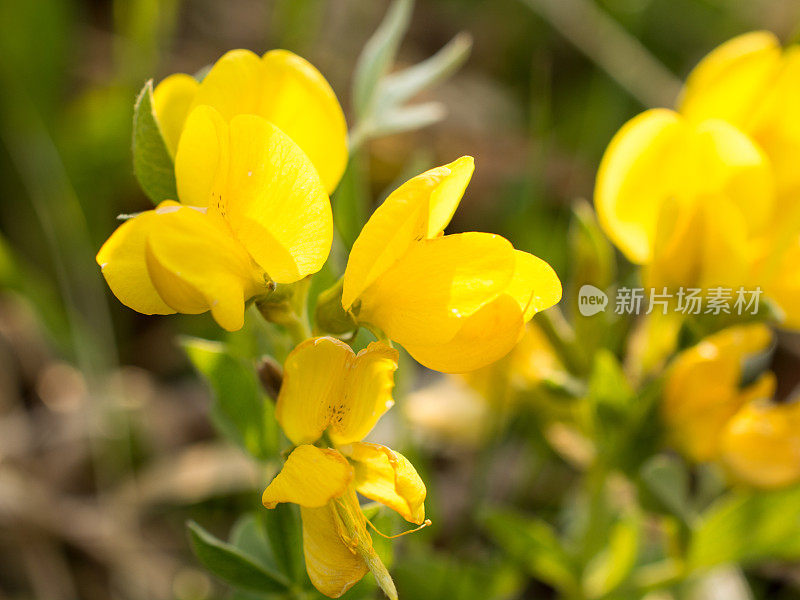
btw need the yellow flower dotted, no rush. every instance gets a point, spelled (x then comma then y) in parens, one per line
(686, 199)
(253, 211)
(702, 392)
(455, 302)
(761, 444)
(331, 393)
(712, 416)
(752, 83)
(279, 86)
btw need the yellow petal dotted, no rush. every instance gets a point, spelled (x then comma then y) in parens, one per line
(783, 283)
(484, 337)
(368, 385)
(122, 260)
(202, 157)
(196, 265)
(776, 125)
(702, 392)
(311, 477)
(312, 375)
(260, 182)
(420, 208)
(386, 476)
(333, 566)
(761, 445)
(275, 202)
(233, 86)
(171, 100)
(535, 285)
(729, 163)
(704, 246)
(635, 177)
(659, 158)
(490, 333)
(727, 84)
(299, 100)
(425, 296)
(327, 385)
(287, 91)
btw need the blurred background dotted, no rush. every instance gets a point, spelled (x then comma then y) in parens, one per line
(106, 446)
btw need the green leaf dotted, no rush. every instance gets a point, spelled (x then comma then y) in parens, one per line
(425, 575)
(533, 543)
(611, 567)
(249, 537)
(152, 163)
(406, 118)
(667, 479)
(378, 55)
(592, 253)
(241, 410)
(285, 537)
(399, 87)
(232, 565)
(746, 527)
(608, 384)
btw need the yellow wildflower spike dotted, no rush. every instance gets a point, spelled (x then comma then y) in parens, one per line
(280, 87)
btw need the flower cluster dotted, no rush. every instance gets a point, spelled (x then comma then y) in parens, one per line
(707, 195)
(258, 145)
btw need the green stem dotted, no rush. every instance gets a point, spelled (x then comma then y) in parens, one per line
(298, 329)
(562, 337)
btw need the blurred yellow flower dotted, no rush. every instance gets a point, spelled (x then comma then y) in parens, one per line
(761, 444)
(331, 393)
(754, 84)
(702, 391)
(455, 302)
(710, 195)
(713, 416)
(253, 212)
(688, 200)
(279, 86)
